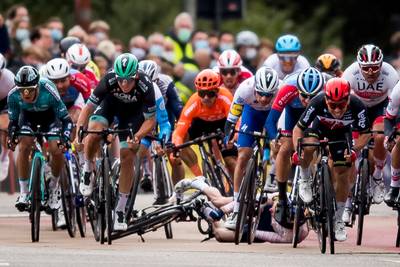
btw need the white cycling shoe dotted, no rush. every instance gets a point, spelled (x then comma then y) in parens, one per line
(86, 185)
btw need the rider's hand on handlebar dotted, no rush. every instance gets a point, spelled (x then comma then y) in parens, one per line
(388, 144)
(133, 143)
(275, 145)
(350, 157)
(78, 146)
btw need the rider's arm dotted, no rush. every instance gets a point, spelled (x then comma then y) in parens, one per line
(148, 108)
(185, 120)
(162, 115)
(13, 109)
(174, 103)
(392, 109)
(361, 122)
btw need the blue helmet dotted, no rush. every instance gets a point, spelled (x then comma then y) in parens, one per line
(310, 81)
(287, 43)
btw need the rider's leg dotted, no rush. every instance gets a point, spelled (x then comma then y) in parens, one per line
(391, 196)
(379, 153)
(25, 144)
(56, 160)
(305, 173)
(282, 165)
(191, 160)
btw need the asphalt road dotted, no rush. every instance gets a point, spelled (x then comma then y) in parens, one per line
(186, 249)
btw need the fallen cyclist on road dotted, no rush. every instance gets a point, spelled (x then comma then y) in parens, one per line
(268, 230)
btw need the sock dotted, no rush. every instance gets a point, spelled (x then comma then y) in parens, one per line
(196, 170)
(348, 203)
(379, 164)
(395, 181)
(23, 185)
(282, 191)
(88, 166)
(199, 184)
(305, 173)
(123, 198)
(236, 202)
(146, 166)
(339, 210)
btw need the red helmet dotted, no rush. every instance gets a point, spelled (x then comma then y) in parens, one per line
(337, 89)
(207, 80)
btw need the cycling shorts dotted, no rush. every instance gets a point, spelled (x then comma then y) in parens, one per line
(29, 121)
(3, 105)
(376, 113)
(252, 120)
(290, 118)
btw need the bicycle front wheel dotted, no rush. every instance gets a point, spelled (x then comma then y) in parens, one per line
(363, 198)
(67, 201)
(35, 198)
(320, 221)
(330, 202)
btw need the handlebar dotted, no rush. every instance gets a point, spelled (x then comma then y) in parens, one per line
(198, 140)
(103, 133)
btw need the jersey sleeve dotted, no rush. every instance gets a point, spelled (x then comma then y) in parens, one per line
(311, 112)
(361, 122)
(81, 83)
(13, 106)
(238, 102)
(149, 101)
(79, 102)
(185, 120)
(161, 114)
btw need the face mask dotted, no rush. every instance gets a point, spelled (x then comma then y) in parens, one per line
(140, 53)
(251, 53)
(22, 34)
(169, 56)
(156, 50)
(56, 35)
(100, 36)
(225, 46)
(201, 44)
(184, 35)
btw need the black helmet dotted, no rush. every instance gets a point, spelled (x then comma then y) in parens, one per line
(67, 42)
(27, 76)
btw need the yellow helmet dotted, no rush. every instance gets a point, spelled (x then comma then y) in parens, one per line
(327, 63)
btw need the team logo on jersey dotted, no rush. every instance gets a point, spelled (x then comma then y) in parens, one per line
(126, 98)
(236, 109)
(334, 123)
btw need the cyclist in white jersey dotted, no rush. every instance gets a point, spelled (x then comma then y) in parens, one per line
(287, 58)
(372, 80)
(6, 84)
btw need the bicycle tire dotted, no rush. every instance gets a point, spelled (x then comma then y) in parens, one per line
(168, 231)
(330, 207)
(92, 215)
(109, 200)
(244, 200)
(398, 228)
(322, 231)
(224, 179)
(54, 221)
(211, 176)
(35, 198)
(155, 220)
(80, 209)
(362, 194)
(67, 202)
(134, 190)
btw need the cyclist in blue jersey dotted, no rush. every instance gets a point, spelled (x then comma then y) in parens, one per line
(32, 102)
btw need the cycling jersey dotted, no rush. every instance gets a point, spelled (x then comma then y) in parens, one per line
(73, 98)
(173, 103)
(91, 76)
(81, 83)
(287, 99)
(194, 109)
(244, 74)
(273, 62)
(6, 84)
(392, 110)
(48, 102)
(375, 93)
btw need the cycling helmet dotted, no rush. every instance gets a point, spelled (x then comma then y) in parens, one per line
(67, 42)
(287, 43)
(229, 59)
(337, 89)
(310, 81)
(327, 63)
(78, 54)
(267, 80)
(27, 76)
(57, 68)
(126, 65)
(207, 80)
(248, 38)
(369, 55)
(2, 62)
(151, 68)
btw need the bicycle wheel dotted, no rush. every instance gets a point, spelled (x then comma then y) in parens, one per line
(224, 179)
(93, 217)
(133, 193)
(362, 196)
(321, 225)
(35, 198)
(110, 199)
(211, 177)
(245, 199)
(330, 202)
(67, 201)
(80, 209)
(160, 180)
(54, 218)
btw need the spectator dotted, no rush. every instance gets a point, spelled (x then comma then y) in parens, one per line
(102, 64)
(16, 13)
(247, 43)
(79, 32)
(200, 40)
(226, 41)
(138, 46)
(394, 58)
(4, 39)
(100, 29)
(156, 44)
(202, 58)
(33, 55)
(265, 50)
(41, 36)
(56, 27)
(336, 51)
(107, 49)
(180, 37)
(119, 47)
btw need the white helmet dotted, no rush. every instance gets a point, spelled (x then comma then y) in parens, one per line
(57, 68)
(151, 68)
(3, 62)
(229, 59)
(267, 80)
(248, 38)
(78, 54)
(369, 55)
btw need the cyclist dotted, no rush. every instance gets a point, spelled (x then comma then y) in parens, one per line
(6, 84)
(332, 114)
(229, 66)
(292, 99)
(205, 112)
(287, 58)
(372, 80)
(252, 101)
(58, 71)
(329, 66)
(128, 95)
(32, 102)
(78, 56)
(392, 122)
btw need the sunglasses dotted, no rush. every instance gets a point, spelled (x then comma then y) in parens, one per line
(373, 68)
(27, 90)
(288, 57)
(305, 96)
(124, 79)
(335, 105)
(225, 72)
(209, 93)
(265, 94)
